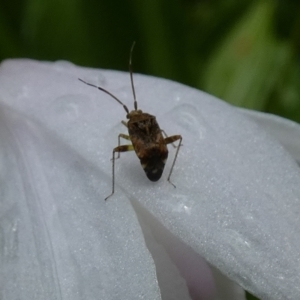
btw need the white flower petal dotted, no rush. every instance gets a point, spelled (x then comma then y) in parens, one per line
(58, 238)
(237, 196)
(285, 131)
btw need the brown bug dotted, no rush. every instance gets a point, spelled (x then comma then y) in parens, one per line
(146, 137)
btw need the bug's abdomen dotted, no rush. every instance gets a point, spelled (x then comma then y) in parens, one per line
(154, 163)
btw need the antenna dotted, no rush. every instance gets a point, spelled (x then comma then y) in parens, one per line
(107, 92)
(131, 75)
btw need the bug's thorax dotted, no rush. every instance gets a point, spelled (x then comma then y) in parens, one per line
(144, 127)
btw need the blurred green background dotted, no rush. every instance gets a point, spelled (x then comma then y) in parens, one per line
(245, 52)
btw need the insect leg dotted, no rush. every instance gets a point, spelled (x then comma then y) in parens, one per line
(118, 149)
(124, 123)
(124, 136)
(170, 140)
(166, 136)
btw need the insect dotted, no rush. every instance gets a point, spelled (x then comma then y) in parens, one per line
(147, 139)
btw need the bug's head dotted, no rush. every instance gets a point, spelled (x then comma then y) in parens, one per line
(134, 113)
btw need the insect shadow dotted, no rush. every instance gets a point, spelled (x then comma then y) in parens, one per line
(148, 141)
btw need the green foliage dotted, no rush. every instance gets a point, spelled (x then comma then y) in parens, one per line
(250, 297)
(245, 52)
(248, 64)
